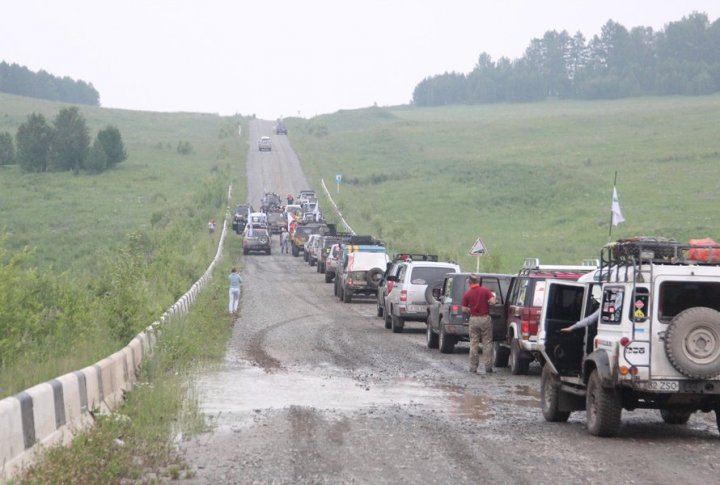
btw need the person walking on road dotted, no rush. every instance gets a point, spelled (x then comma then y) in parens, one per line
(476, 301)
(284, 241)
(235, 283)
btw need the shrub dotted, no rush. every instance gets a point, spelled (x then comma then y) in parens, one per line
(7, 149)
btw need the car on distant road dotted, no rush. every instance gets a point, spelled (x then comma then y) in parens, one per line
(256, 238)
(264, 144)
(280, 128)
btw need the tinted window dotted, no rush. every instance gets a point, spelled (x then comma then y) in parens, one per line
(676, 296)
(565, 303)
(425, 275)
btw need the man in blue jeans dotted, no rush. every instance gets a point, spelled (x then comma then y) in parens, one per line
(235, 282)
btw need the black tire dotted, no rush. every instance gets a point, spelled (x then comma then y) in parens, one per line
(347, 296)
(432, 339)
(518, 364)
(675, 416)
(328, 277)
(603, 408)
(692, 343)
(396, 323)
(502, 355)
(550, 397)
(245, 251)
(429, 291)
(295, 251)
(268, 251)
(305, 256)
(374, 276)
(380, 310)
(388, 321)
(446, 343)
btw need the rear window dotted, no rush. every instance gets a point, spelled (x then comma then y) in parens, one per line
(676, 296)
(425, 275)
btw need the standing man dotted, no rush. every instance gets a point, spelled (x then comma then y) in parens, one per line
(476, 301)
(235, 282)
(284, 241)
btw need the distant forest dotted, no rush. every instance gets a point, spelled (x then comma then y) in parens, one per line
(16, 79)
(681, 59)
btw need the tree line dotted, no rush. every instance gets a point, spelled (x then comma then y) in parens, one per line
(63, 145)
(681, 59)
(17, 79)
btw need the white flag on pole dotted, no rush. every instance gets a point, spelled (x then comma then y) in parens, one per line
(617, 216)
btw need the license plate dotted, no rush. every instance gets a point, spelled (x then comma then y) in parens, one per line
(416, 308)
(663, 386)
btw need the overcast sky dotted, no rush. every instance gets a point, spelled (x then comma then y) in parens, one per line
(288, 57)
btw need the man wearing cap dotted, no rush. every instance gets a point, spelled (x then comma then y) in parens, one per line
(476, 301)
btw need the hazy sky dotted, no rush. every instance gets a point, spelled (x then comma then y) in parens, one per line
(288, 57)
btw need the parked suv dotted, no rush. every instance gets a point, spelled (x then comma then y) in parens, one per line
(240, 218)
(324, 248)
(302, 232)
(656, 343)
(264, 144)
(523, 306)
(332, 260)
(361, 272)
(310, 248)
(256, 237)
(447, 324)
(406, 301)
(385, 286)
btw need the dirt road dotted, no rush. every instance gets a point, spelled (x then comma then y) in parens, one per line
(317, 391)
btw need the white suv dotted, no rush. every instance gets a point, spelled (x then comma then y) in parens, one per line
(406, 301)
(656, 343)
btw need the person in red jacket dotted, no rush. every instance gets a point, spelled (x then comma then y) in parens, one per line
(476, 302)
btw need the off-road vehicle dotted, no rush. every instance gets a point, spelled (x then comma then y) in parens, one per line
(385, 286)
(361, 273)
(446, 323)
(240, 217)
(406, 301)
(302, 232)
(656, 344)
(256, 237)
(264, 144)
(520, 345)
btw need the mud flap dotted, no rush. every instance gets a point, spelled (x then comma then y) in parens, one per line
(602, 364)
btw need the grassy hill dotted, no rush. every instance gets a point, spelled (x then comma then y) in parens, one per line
(533, 180)
(67, 219)
(87, 261)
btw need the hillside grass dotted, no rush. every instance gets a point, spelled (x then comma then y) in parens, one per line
(87, 261)
(533, 180)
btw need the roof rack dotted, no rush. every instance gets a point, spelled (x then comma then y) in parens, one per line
(415, 257)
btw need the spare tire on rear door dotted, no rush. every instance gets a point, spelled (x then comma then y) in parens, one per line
(374, 276)
(431, 290)
(692, 343)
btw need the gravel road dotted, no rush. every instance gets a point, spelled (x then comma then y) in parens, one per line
(317, 391)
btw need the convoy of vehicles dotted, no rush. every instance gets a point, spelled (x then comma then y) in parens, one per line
(654, 341)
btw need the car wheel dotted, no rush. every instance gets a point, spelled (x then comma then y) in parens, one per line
(388, 321)
(396, 323)
(373, 277)
(295, 251)
(550, 397)
(305, 256)
(604, 408)
(692, 343)
(502, 355)
(347, 296)
(379, 310)
(431, 338)
(429, 291)
(446, 343)
(675, 416)
(328, 278)
(518, 364)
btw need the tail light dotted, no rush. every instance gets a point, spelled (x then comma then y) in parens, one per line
(529, 323)
(390, 285)
(403, 296)
(455, 309)
(349, 281)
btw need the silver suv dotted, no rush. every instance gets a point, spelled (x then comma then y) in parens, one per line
(406, 301)
(655, 344)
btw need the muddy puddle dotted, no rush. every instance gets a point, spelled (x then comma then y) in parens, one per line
(237, 391)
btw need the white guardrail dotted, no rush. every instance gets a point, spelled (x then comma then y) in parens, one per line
(327, 192)
(52, 412)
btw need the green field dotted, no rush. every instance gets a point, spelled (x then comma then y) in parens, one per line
(87, 261)
(533, 180)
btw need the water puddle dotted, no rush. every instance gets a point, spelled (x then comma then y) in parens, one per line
(241, 391)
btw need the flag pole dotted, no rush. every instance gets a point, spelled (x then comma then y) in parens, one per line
(611, 211)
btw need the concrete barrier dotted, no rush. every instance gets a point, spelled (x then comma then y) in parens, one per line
(52, 412)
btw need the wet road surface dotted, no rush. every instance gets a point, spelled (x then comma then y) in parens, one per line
(314, 390)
